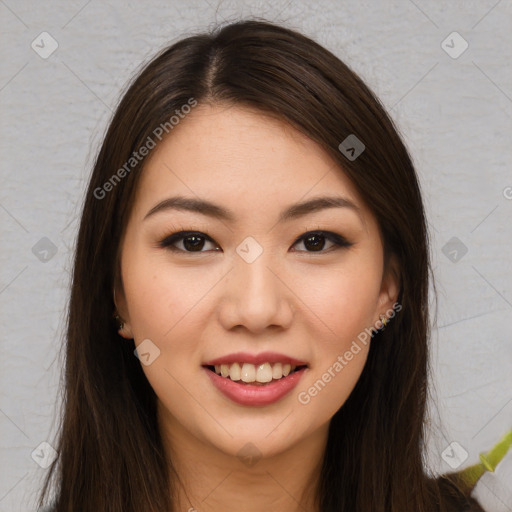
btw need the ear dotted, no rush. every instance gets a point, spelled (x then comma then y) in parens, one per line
(390, 286)
(122, 311)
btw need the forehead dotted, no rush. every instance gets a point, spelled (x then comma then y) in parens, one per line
(242, 158)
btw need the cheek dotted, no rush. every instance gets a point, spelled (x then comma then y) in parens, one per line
(161, 298)
(330, 384)
(166, 306)
(345, 301)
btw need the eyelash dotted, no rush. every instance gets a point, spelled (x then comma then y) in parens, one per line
(338, 241)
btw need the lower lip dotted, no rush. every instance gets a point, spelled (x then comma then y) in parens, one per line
(250, 394)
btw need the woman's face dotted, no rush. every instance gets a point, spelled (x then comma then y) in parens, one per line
(247, 288)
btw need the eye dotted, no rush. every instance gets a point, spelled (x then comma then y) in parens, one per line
(192, 241)
(315, 240)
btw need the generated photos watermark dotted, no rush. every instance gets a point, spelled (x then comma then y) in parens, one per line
(304, 397)
(143, 151)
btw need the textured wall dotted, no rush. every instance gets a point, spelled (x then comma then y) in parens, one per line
(452, 104)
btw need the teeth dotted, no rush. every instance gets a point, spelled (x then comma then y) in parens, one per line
(235, 372)
(261, 373)
(248, 372)
(277, 371)
(264, 373)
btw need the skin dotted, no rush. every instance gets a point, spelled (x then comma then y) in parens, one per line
(196, 306)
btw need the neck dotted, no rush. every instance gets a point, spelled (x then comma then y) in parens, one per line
(207, 479)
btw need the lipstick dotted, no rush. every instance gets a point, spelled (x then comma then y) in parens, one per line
(255, 394)
(256, 359)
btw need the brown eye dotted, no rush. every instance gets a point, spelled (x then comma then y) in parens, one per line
(191, 241)
(194, 241)
(315, 241)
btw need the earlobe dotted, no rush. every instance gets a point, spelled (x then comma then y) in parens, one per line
(125, 331)
(124, 328)
(389, 292)
(390, 283)
(388, 296)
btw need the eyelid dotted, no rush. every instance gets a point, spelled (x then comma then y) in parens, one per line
(168, 241)
(339, 241)
(335, 238)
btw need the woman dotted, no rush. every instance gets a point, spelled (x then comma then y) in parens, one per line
(255, 223)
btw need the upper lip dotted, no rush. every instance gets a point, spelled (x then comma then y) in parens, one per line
(256, 359)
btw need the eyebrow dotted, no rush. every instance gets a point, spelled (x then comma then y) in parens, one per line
(210, 209)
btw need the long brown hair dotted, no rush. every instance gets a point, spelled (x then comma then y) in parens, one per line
(111, 456)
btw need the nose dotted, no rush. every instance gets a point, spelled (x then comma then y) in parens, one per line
(256, 296)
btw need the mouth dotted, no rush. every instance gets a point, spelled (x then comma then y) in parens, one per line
(255, 374)
(255, 379)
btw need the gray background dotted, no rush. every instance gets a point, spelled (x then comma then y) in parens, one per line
(455, 115)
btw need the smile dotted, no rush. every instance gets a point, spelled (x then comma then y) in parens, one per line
(255, 380)
(259, 374)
